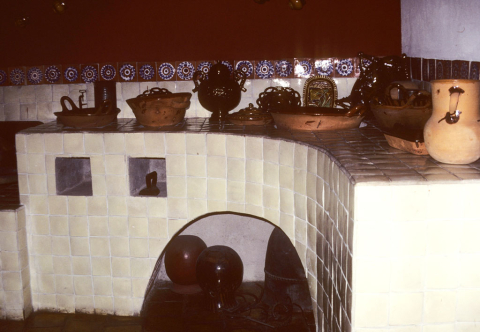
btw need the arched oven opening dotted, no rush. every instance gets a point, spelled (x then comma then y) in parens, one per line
(228, 272)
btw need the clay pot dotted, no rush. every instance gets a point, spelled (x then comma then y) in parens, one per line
(318, 118)
(180, 260)
(159, 107)
(452, 134)
(219, 274)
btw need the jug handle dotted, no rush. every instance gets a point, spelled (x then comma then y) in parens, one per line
(70, 101)
(197, 80)
(240, 76)
(453, 114)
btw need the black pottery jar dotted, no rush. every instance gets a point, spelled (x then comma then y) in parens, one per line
(219, 274)
(218, 92)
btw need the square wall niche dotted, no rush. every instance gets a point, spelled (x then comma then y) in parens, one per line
(73, 176)
(148, 177)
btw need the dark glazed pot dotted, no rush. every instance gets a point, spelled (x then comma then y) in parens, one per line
(219, 93)
(180, 261)
(219, 274)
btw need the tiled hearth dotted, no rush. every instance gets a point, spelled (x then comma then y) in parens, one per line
(388, 239)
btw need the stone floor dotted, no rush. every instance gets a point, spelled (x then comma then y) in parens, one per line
(57, 322)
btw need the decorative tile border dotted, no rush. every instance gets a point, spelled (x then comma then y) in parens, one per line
(175, 70)
(436, 69)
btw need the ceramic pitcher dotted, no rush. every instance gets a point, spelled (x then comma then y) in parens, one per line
(452, 134)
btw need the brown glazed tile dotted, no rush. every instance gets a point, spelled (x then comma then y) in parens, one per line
(3, 76)
(431, 69)
(416, 68)
(71, 74)
(147, 71)
(184, 70)
(303, 67)
(443, 69)
(424, 69)
(325, 67)
(108, 71)
(246, 66)
(35, 75)
(460, 69)
(166, 71)
(53, 74)
(89, 73)
(284, 68)
(17, 76)
(127, 72)
(344, 67)
(474, 70)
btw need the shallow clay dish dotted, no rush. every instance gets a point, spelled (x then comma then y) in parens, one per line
(159, 107)
(250, 116)
(318, 118)
(87, 117)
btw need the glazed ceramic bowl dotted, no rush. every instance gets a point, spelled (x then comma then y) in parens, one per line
(159, 107)
(403, 118)
(318, 118)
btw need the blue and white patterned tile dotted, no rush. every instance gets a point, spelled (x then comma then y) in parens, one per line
(166, 71)
(284, 68)
(108, 72)
(71, 74)
(185, 70)
(246, 67)
(228, 64)
(204, 67)
(344, 67)
(146, 71)
(17, 76)
(3, 79)
(303, 68)
(35, 75)
(89, 73)
(264, 69)
(128, 72)
(53, 74)
(324, 67)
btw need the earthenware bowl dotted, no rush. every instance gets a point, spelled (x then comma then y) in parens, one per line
(159, 107)
(318, 118)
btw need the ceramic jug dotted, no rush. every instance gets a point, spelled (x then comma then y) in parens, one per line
(452, 134)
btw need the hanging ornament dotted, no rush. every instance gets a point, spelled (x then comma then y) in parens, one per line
(22, 22)
(59, 6)
(296, 4)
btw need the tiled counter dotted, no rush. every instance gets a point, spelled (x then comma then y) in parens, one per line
(388, 239)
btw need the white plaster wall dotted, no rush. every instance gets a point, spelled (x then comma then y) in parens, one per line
(441, 29)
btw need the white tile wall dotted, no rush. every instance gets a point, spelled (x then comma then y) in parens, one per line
(412, 264)
(41, 102)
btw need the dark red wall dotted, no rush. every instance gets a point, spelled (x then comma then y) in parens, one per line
(157, 30)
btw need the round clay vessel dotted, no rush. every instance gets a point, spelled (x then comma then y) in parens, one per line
(180, 261)
(219, 274)
(452, 134)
